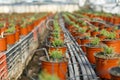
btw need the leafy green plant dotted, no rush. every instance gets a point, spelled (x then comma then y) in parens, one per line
(111, 35)
(96, 29)
(56, 34)
(115, 27)
(104, 32)
(23, 25)
(10, 30)
(95, 41)
(108, 50)
(56, 26)
(57, 43)
(56, 55)
(84, 24)
(75, 25)
(81, 30)
(1, 25)
(45, 76)
(87, 36)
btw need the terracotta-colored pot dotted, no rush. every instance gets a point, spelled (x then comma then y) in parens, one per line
(109, 28)
(94, 33)
(83, 43)
(117, 31)
(30, 27)
(17, 27)
(116, 20)
(17, 35)
(3, 29)
(3, 44)
(103, 66)
(10, 38)
(113, 43)
(3, 67)
(24, 31)
(78, 41)
(101, 37)
(80, 35)
(113, 73)
(90, 51)
(117, 36)
(70, 27)
(56, 68)
(102, 26)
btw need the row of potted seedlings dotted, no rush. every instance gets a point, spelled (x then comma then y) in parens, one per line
(14, 27)
(101, 45)
(57, 64)
(108, 17)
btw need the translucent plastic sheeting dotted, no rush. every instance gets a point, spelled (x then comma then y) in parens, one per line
(109, 6)
(37, 1)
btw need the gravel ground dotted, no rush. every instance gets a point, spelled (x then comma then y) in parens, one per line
(33, 68)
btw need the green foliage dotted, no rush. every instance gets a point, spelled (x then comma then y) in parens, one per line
(1, 25)
(81, 30)
(87, 36)
(10, 30)
(111, 35)
(45, 76)
(56, 55)
(95, 41)
(56, 26)
(57, 43)
(115, 27)
(96, 29)
(75, 25)
(84, 23)
(108, 50)
(56, 34)
(104, 32)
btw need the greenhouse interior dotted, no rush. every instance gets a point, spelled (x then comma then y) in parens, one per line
(62, 40)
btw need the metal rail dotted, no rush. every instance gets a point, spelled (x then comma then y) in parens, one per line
(85, 70)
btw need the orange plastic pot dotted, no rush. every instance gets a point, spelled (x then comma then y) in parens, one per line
(3, 67)
(3, 44)
(102, 26)
(113, 43)
(56, 68)
(109, 28)
(90, 51)
(30, 27)
(117, 31)
(101, 37)
(24, 31)
(113, 73)
(94, 33)
(116, 20)
(83, 43)
(10, 38)
(17, 27)
(17, 35)
(103, 66)
(62, 49)
(3, 29)
(69, 27)
(78, 41)
(80, 35)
